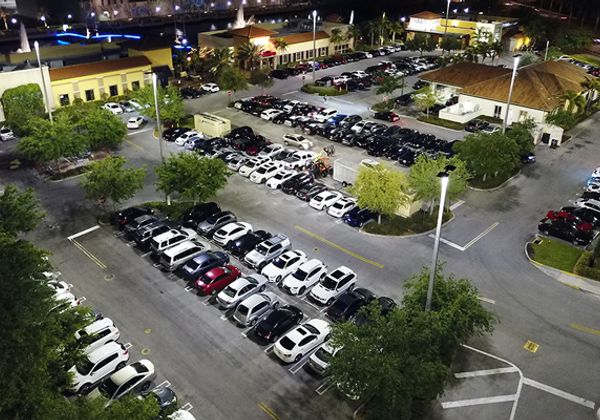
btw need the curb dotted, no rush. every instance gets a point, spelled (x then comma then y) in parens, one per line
(581, 283)
(438, 126)
(498, 187)
(414, 235)
(65, 179)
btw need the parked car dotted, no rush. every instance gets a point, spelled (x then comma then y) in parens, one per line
(476, 125)
(173, 237)
(123, 217)
(297, 140)
(6, 134)
(264, 172)
(216, 279)
(97, 365)
(301, 340)
(210, 87)
(165, 398)
(386, 116)
(583, 214)
(231, 232)
(251, 309)
(320, 360)
(97, 334)
(333, 285)
(136, 122)
(277, 322)
(294, 183)
(138, 223)
(490, 129)
(566, 230)
(244, 244)
(299, 160)
(113, 107)
(176, 256)
(214, 222)
(309, 191)
(137, 377)
(341, 207)
(269, 114)
(280, 74)
(283, 265)
(386, 305)
(203, 263)
(279, 178)
(170, 134)
(348, 304)
(184, 137)
(271, 150)
(325, 199)
(198, 214)
(240, 289)
(305, 276)
(268, 250)
(358, 217)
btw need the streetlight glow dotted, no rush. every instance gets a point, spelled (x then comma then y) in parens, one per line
(157, 9)
(13, 21)
(69, 16)
(510, 91)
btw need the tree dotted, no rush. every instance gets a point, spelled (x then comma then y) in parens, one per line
(232, 79)
(451, 43)
(389, 84)
(193, 177)
(101, 128)
(219, 59)
(572, 102)
(280, 44)
(262, 79)
(554, 53)
(537, 29)
(521, 133)
(170, 103)
(47, 142)
(593, 88)
(22, 103)
(425, 98)
(336, 37)
(561, 118)
(395, 28)
(496, 50)
(19, 211)
(380, 189)
(421, 43)
(354, 33)
(483, 43)
(108, 179)
(489, 154)
(424, 182)
(528, 58)
(249, 54)
(371, 28)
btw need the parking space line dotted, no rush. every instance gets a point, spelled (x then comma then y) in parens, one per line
(295, 368)
(268, 410)
(245, 333)
(88, 254)
(156, 265)
(481, 235)
(188, 288)
(585, 329)
(83, 232)
(137, 146)
(163, 384)
(206, 301)
(223, 317)
(338, 247)
(130, 243)
(559, 393)
(324, 387)
(479, 401)
(269, 349)
(484, 299)
(289, 93)
(485, 372)
(457, 205)
(82, 299)
(144, 255)
(187, 406)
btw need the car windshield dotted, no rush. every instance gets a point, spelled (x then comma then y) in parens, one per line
(192, 265)
(109, 388)
(287, 344)
(311, 329)
(229, 291)
(262, 249)
(84, 367)
(323, 355)
(329, 283)
(279, 263)
(242, 310)
(300, 274)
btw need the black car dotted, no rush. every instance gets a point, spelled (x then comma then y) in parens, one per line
(476, 125)
(528, 158)
(278, 322)
(280, 74)
(404, 100)
(419, 84)
(583, 214)
(202, 263)
(246, 243)
(386, 305)
(292, 185)
(280, 119)
(358, 217)
(170, 134)
(565, 230)
(407, 157)
(307, 192)
(386, 116)
(243, 131)
(349, 303)
(165, 397)
(209, 226)
(123, 217)
(350, 120)
(283, 155)
(591, 195)
(198, 214)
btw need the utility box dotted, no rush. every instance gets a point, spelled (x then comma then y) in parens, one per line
(211, 125)
(410, 208)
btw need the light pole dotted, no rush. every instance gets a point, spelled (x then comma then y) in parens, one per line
(510, 90)
(314, 63)
(444, 179)
(381, 32)
(44, 93)
(547, 46)
(446, 28)
(158, 127)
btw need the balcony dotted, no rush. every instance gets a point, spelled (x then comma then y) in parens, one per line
(460, 112)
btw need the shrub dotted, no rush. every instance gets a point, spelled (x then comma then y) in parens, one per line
(585, 266)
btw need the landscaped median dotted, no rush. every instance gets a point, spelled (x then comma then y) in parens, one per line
(420, 222)
(442, 122)
(565, 257)
(173, 211)
(323, 90)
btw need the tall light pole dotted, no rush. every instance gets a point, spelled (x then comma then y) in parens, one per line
(45, 92)
(444, 179)
(547, 46)
(158, 126)
(381, 32)
(314, 63)
(510, 91)
(446, 28)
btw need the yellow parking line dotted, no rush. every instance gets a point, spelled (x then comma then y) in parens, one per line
(584, 329)
(137, 146)
(268, 410)
(89, 254)
(338, 247)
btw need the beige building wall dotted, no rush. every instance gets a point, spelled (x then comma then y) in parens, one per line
(12, 79)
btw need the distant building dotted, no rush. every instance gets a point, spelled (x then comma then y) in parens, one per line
(298, 36)
(23, 75)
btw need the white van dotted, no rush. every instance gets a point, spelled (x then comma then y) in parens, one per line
(289, 107)
(325, 115)
(171, 238)
(178, 255)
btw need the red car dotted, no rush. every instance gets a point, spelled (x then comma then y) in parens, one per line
(579, 225)
(559, 215)
(387, 116)
(216, 279)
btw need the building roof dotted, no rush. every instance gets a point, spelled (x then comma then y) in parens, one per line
(252, 31)
(302, 37)
(465, 74)
(426, 15)
(537, 86)
(98, 67)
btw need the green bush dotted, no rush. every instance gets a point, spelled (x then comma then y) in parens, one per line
(396, 225)
(383, 106)
(586, 267)
(442, 122)
(322, 90)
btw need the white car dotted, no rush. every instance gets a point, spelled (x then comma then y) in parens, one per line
(6, 134)
(588, 204)
(325, 199)
(137, 105)
(210, 87)
(334, 285)
(283, 265)
(593, 188)
(137, 376)
(271, 150)
(240, 289)
(181, 140)
(237, 162)
(59, 286)
(279, 178)
(490, 129)
(97, 334)
(113, 107)
(231, 232)
(359, 126)
(360, 73)
(320, 360)
(297, 140)
(136, 122)
(64, 301)
(97, 365)
(181, 414)
(269, 114)
(305, 277)
(298, 160)
(250, 166)
(328, 112)
(341, 207)
(301, 340)
(596, 173)
(264, 172)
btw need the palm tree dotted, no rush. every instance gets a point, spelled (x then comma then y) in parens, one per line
(593, 87)
(370, 28)
(572, 101)
(280, 44)
(219, 59)
(336, 37)
(249, 54)
(496, 49)
(395, 28)
(354, 33)
(382, 26)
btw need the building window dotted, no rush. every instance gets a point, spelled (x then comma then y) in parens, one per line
(523, 115)
(64, 99)
(135, 85)
(114, 90)
(309, 54)
(497, 111)
(89, 95)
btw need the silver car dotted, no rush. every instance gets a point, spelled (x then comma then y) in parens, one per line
(240, 289)
(252, 308)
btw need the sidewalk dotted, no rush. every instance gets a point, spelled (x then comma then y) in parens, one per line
(568, 279)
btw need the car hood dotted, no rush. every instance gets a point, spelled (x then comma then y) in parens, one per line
(293, 282)
(271, 271)
(254, 256)
(322, 292)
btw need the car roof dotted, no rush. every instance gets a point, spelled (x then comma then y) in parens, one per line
(123, 375)
(98, 325)
(310, 264)
(102, 352)
(185, 245)
(253, 300)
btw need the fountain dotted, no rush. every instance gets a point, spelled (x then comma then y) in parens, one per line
(240, 22)
(24, 41)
